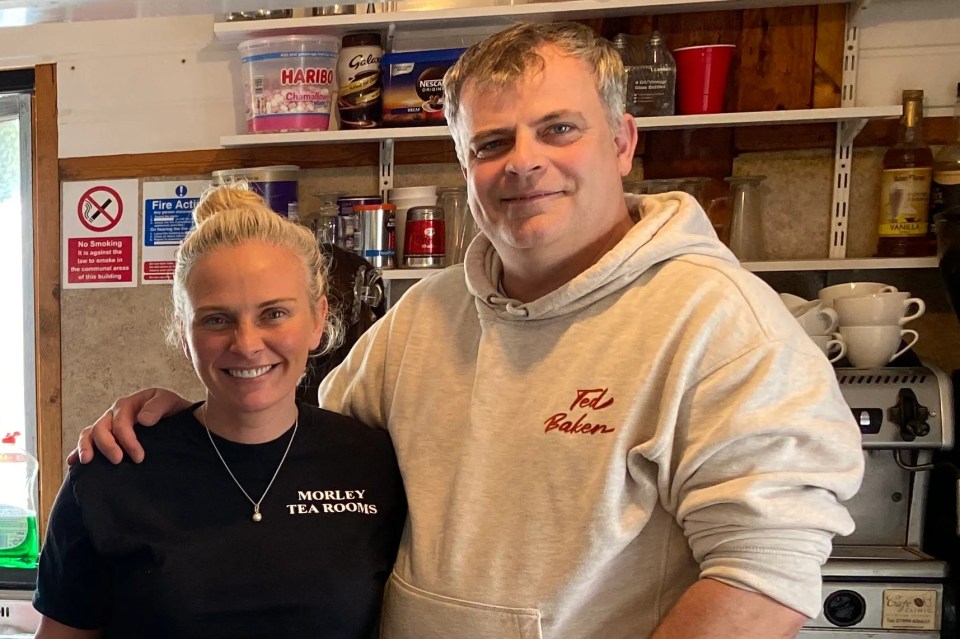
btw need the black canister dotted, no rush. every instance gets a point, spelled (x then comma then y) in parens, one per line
(360, 99)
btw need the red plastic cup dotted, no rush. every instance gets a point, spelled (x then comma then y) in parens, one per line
(702, 77)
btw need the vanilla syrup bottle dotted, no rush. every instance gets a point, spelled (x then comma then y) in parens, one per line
(905, 187)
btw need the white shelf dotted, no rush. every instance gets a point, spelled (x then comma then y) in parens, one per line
(408, 273)
(749, 118)
(487, 15)
(872, 263)
(759, 118)
(336, 137)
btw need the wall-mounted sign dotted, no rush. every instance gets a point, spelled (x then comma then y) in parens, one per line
(167, 217)
(99, 221)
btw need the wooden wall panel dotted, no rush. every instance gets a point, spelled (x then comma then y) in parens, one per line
(828, 55)
(785, 137)
(776, 59)
(688, 152)
(46, 282)
(824, 78)
(940, 130)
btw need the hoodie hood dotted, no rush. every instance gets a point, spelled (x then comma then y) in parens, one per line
(669, 225)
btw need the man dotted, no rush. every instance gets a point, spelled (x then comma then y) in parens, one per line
(606, 428)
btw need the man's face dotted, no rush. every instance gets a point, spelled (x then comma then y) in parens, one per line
(543, 167)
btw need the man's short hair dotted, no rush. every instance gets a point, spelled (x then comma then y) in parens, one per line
(503, 58)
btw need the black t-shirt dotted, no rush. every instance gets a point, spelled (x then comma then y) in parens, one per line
(167, 548)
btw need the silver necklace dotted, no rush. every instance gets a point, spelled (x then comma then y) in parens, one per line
(256, 504)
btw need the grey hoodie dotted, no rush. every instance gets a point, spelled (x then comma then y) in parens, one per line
(573, 464)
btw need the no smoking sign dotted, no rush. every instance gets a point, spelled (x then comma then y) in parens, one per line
(99, 222)
(100, 208)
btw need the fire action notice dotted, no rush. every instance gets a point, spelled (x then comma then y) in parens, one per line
(167, 218)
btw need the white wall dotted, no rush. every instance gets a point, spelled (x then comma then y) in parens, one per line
(910, 44)
(166, 84)
(142, 85)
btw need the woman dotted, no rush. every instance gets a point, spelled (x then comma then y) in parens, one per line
(256, 516)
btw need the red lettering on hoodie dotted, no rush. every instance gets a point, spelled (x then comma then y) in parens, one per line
(589, 398)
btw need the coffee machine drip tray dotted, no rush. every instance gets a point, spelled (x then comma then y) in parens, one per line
(882, 562)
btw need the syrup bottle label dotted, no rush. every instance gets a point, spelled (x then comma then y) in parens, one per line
(904, 198)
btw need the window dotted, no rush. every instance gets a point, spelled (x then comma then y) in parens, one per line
(18, 373)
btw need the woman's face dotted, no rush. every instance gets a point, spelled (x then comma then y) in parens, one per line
(248, 325)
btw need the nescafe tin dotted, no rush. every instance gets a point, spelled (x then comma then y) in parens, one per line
(424, 244)
(377, 233)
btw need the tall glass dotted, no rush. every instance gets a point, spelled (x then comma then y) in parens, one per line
(746, 224)
(460, 225)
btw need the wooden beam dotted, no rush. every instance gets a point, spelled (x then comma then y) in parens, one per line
(306, 156)
(46, 286)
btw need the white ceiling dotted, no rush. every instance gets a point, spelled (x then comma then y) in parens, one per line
(23, 12)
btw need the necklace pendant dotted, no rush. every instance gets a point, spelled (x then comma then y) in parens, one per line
(256, 516)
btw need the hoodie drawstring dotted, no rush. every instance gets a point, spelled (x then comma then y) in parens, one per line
(512, 306)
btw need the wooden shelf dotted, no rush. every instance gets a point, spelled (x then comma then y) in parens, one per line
(841, 264)
(751, 118)
(503, 14)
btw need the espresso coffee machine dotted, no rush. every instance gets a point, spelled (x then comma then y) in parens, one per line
(878, 581)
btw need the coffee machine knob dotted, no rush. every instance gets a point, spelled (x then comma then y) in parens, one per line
(909, 415)
(844, 608)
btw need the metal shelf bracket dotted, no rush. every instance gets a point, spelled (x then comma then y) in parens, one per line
(850, 129)
(846, 132)
(857, 8)
(386, 167)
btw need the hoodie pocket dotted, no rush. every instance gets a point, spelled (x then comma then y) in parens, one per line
(412, 613)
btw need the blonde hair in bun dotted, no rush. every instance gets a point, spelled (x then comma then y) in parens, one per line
(231, 214)
(227, 197)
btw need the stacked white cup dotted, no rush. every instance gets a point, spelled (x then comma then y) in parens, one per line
(871, 317)
(819, 322)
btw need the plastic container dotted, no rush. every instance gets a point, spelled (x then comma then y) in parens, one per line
(288, 82)
(405, 198)
(702, 77)
(276, 184)
(413, 86)
(19, 542)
